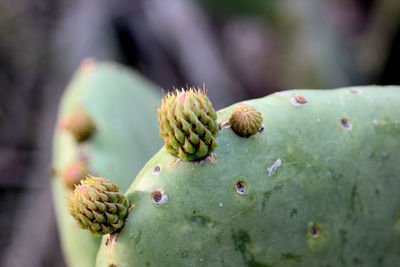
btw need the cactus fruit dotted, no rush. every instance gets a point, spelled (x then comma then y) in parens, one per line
(121, 103)
(80, 125)
(96, 204)
(246, 120)
(187, 124)
(306, 191)
(75, 172)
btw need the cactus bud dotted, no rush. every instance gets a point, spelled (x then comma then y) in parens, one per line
(80, 125)
(246, 120)
(96, 204)
(188, 124)
(74, 173)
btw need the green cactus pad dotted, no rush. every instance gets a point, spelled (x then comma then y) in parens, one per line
(97, 205)
(319, 187)
(246, 120)
(187, 124)
(119, 101)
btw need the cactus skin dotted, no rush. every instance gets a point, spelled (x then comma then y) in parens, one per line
(246, 120)
(187, 124)
(344, 183)
(96, 204)
(118, 100)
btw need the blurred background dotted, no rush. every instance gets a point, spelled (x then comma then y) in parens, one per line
(239, 49)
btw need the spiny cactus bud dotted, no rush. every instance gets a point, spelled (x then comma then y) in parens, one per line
(96, 204)
(75, 172)
(246, 120)
(80, 125)
(188, 124)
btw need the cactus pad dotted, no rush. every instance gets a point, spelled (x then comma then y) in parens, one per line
(96, 204)
(246, 120)
(320, 187)
(188, 125)
(117, 100)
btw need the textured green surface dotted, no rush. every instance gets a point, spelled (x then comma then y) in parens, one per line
(122, 104)
(188, 124)
(345, 183)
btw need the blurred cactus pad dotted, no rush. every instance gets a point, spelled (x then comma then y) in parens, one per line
(107, 127)
(317, 185)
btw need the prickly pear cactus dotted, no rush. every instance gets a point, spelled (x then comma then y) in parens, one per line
(107, 127)
(317, 185)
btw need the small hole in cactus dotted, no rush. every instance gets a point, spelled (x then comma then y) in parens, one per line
(314, 232)
(159, 198)
(240, 188)
(107, 241)
(346, 124)
(156, 170)
(262, 129)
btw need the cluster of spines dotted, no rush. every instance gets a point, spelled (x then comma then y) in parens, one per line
(188, 124)
(97, 205)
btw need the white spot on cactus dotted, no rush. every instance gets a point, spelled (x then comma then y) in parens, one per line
(356, 91)
(271, 170)
(201, 259)
(318, 119)
(375, 122)
(220, 204)
(281, 93)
